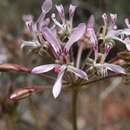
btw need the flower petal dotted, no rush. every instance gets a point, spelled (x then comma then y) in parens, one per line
(127, 41)
(127, 22)
(115, 68)
(51, 38)
(43, 68)
(113, 21)
(41, 22)
(112, 33)
(58, 84)
(125, 31)
(46, 6)
(75, 36)
(61, 12)
(28, 19)
(90, 31)
(91, 21)
(72, 10)
(30, 44)
(78, 72)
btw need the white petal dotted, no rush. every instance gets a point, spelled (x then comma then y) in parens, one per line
(115, 68)
(78, 72)
(118, 39)
(30, 44)
(58, 85)
(43, 68)
(127, 40)
(126, 31)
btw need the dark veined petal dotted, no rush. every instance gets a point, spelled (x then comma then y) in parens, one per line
(28, 19)
(61, 12)
(115, 68)
(51, 38)
(76, 35)
(43, 68)
(58, 84)
(46, 6)
(72, 10)
(78, 72)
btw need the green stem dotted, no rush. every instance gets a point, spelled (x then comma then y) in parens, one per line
(74, 108)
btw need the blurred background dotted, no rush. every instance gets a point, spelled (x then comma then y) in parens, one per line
(101, 106)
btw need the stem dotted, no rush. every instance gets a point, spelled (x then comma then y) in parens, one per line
(103, 78)
(80, 50)
(74, 108)
(99, 114)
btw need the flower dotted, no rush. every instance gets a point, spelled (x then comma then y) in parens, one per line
(41, 21)
(121, 35)
(61, 70)
(60, 49)
(67, 25)
(90, 33)
(35, 27)
(103, 68)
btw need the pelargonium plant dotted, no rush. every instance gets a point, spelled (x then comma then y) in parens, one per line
(58, 39)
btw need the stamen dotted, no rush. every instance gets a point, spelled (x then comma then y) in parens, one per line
(56, 22)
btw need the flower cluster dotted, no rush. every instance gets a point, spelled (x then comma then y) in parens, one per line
(57, 38)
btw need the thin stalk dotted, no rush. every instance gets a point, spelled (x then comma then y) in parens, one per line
(99, 113)
(103, 78)
(74, 108)
(80, 50)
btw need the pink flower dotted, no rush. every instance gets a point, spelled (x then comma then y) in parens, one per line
(121, 35)
(42, 21)
(60, 49)
(35, 27)
(103, 68)
(66, 25)
(62, 69)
